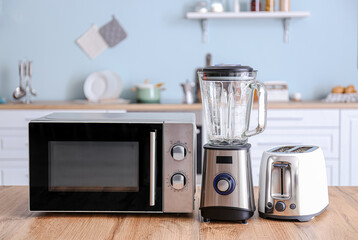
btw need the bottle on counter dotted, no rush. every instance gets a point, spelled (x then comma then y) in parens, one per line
(255, 5)
(236, 6)
(270, 6)
(285, 5)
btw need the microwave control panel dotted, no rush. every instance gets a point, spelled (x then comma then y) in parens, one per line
(179, 167)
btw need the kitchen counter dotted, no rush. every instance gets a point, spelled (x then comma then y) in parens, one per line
(339, 221)
(163, 107)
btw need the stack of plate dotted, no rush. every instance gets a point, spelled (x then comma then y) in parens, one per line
(103, 85)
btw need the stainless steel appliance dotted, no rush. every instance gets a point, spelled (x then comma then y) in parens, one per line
(293, 183)
(227, 95)
(113, 162)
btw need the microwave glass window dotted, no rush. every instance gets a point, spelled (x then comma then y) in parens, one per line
(93, 166)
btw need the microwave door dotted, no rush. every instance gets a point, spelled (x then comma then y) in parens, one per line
(96, 167)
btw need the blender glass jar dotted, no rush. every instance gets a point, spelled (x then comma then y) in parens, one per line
(227, 94)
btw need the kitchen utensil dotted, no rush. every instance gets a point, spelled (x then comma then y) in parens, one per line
(227, 96)
(25, 89)
(20, 91)
(32, 91)
(188, 92)
(293, 183)
(158, 85)
(148, 93)
(27, 99)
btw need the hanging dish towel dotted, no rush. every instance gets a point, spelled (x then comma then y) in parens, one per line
(92, 43)
(112, 32)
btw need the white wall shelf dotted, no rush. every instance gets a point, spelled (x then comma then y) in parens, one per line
(285, 16)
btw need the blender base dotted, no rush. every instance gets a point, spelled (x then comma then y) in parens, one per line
(226, 214)
(227, 192)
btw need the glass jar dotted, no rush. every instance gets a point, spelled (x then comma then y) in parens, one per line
(227, 94)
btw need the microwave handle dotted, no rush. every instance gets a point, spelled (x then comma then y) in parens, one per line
(153, 147)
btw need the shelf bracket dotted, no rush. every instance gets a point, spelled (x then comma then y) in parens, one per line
(286, 26)
(204, 29)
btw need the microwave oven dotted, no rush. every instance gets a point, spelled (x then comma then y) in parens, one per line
(112, 162)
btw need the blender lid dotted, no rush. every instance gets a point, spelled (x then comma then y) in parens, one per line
(227, 70)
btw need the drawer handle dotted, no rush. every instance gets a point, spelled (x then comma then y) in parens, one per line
(284, 119)
(277, 143)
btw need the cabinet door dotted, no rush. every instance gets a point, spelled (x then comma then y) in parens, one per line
(298, 118)
(349, 147)
(327, 139)
(13, 143)
(255, 166)
(15, 176)
(332, 172)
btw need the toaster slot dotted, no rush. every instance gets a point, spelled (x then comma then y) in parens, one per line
(281, 181)
(301, 149)
(283, 149)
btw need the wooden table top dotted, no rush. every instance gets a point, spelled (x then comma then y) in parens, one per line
(339, 221)
(76, 105)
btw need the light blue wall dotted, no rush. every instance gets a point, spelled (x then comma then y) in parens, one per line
(164, 46)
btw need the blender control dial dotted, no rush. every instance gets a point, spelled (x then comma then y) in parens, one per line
(178, 152)
(224, 184)
(178, 181)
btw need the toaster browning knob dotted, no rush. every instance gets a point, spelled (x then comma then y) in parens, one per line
(280, 206)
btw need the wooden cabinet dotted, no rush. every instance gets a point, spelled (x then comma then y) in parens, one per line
(349, 148)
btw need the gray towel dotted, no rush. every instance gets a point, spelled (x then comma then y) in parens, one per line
(112, 32)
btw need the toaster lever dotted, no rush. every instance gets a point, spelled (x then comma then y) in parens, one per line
(281, 165)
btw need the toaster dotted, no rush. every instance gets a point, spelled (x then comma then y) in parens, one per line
(293, 183)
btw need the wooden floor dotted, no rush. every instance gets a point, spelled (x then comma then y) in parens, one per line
(339, 221)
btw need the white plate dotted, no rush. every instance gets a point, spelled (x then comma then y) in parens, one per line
(114, 85)
(95, 86)
(102, 85)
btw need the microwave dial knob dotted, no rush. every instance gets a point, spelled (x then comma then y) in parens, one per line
(178, 181)
(178, 152)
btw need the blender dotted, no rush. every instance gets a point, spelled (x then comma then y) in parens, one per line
(227, 94)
